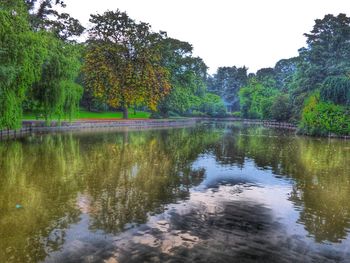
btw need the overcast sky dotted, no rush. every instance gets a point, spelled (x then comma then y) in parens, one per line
(254, 33)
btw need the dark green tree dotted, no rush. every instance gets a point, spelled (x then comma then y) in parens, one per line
(267, 77)
(44, 16)
(281, 108)
(187, 78)
(284, 72)
(226, 83)
(327, 53)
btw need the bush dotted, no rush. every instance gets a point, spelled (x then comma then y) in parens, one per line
(281, 109)
(256, 100)
(324, 118)
(236, 114)
(196, 113)
(156, 115)
(173, 114)
(212, 105)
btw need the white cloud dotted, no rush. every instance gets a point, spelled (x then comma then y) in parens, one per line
(255, 33)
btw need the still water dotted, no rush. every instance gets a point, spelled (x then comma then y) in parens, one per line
(210, 193)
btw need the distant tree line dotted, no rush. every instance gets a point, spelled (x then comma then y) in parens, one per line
(312, 89)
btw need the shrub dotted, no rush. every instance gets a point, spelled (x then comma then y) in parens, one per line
(212, 105)
(236, 114)
(281, 108)
(156, 115)
(324, 118)
(173, 114)
(196, 113)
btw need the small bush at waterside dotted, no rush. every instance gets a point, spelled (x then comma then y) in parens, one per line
(236, 114)
(324, 118)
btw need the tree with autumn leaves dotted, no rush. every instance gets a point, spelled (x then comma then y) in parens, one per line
(123, 62)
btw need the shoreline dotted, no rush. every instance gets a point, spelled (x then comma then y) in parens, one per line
(39, 127)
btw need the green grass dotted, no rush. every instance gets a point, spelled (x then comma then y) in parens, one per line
(84, 114)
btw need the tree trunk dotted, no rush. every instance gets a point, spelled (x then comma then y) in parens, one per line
(125, 112)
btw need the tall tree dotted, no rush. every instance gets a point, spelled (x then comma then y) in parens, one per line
(256, 100)
(285, 70)
(21, 54)
(326, 56)
(123, 62)
(267, 77)
(44, 16)
(226, 83)
(328, 50)
(187, 77)
(56, 93)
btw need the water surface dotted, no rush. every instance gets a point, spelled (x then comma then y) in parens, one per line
(210, 193)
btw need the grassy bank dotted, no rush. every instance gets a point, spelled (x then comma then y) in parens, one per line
(84, 114)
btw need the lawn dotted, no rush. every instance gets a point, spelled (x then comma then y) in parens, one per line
(83, 114)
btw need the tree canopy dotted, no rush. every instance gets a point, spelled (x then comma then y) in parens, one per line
(226, 83)
(282, 92)
(122, 62)
(37, 66)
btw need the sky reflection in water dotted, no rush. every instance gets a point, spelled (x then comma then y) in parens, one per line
(210, 193)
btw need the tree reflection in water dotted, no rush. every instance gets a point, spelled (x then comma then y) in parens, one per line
(112, 181)
(118, 177)
(320, 169)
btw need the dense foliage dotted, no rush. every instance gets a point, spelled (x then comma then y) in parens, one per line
(124, 64)
(38, 68)
(57, 93)
(188, 75)
(320, 118)
(287, 91)
(226, 83)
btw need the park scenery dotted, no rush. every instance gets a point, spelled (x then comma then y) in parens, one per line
(118, 143)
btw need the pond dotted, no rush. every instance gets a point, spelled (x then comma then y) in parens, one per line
(216, 192)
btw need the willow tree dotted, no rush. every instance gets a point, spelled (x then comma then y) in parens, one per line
(21, 51)
(122, 62)
(56, 94)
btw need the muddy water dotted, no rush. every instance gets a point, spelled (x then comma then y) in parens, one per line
(211, 193)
